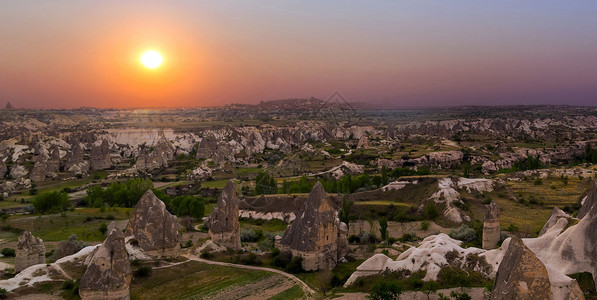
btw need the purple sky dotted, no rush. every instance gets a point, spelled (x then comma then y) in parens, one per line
(406, 53)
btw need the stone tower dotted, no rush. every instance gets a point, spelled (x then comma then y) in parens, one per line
(491, 227)
(224, 228)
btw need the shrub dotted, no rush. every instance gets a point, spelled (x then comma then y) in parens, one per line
(430, 211)
(144, 271)
(385, 289)
(424, 225)
(282, 259)
(68, 284)
(463, 233)
(295, 265)
(8, 252)
(103, 228)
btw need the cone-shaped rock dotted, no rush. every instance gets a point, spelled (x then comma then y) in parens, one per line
(108, 275)
(556, 214)
(491, 227)
(30, 251)
(154, 228)
(317, 233)
(521, 275)
(224, 228)
(99, 159)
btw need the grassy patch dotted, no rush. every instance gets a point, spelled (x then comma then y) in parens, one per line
(294, 292)
(190, 279)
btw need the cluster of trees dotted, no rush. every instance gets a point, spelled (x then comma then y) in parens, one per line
(51, 202)
(266, 184)
(124, 194)
(183, 206)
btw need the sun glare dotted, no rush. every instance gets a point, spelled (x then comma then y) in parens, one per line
(151, 59)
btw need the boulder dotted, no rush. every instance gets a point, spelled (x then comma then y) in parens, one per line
(108, 275)
(153, 227)
(18, 171)
(521, 275)
(30, 251)
(68, 247)
(491, 227)
(224, 228)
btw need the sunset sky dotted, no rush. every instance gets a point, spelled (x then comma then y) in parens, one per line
(406, 53)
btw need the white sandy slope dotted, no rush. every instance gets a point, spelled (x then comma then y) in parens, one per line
(40, 273)
(430, 256)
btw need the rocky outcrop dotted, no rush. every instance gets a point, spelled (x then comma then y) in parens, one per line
(162, 152)
(18, 171)
(316, 234)
(75, 156)
(99, 159)
(68, 247)
(153, 227)
(556, 214)
(491, 227)
(3, 169)
(224, 228)
(54, 160)
(40, 169)
(588, 202)
(108, 275)
(521, 275)
(30, 251)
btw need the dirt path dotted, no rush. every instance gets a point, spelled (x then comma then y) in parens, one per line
(308, 291)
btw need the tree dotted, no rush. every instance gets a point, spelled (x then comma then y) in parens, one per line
(51, 202)
(384, 175)
(383, 228)
(431, 211)
(460, 296)
(324, 278)
(345, 210)
(430, 287)
(385, 290)
(265, 184)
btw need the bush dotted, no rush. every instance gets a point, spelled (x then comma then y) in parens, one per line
(424, 225)
(8, 252)
(538, 181)
(103, 228)
(281, 259)
(295, 265)
(463, 233)
(385, 290)
(144, 271)
(3, 293)
(51, 202)
(430, 211)
(68, 284)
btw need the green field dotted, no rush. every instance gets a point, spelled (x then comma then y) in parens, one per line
(188, 280)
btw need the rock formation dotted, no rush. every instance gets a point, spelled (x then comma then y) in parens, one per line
(224, 228)
(317, 235)
(491, 227)
(521, 275)
(54, 161)
(74, 157)
(556, 214)
(162, 152)
(153, 227)
(68, 247)
(588, 202)
(3, 169)
(30, 251)
(108, 275)
(18, 171)
(99, 158)
(40, 169)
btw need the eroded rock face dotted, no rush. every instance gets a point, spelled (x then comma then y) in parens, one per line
(30, 251)
(108, 275)
(54, 161)
(556, 214)
(317, 233)
(154, 228)
(589, 201)
(18, 171)
(68, 247)
(40, 169)
(99, 158)
(491, 227)
(75, 156)
(224, 228)
(521, 275)
(3, 169)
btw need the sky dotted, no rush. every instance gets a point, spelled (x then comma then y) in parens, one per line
(407, 53)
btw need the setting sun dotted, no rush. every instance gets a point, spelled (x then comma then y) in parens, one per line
(151, 59)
